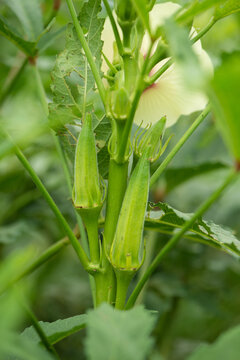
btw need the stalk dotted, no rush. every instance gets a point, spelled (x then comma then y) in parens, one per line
(178, 146)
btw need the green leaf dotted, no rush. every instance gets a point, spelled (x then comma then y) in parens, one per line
(194, 8)
(118, 335)
(29, 14)
(182, 52)
(225, 100)
(73, 87)
(57, 330)
(168, 221)
(226, 347)
(29, 48)
(227, 8)
(177, 175)
(72, 79)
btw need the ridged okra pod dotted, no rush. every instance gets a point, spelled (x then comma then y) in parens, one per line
(87, 191)
(128, 247)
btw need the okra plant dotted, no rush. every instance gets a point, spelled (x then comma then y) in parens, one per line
(129, 72)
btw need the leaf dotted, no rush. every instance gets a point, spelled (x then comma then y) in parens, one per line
(227, 346)
(57, 330)
(182, 52)
(26, 46)
(72, 79)
(194, 8)
(225, 100)
(73, 87)
(177, 175)
(227, 8)
(169, 220)
(118, 335)
(29, 14)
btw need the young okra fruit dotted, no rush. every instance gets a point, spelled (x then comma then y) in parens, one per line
(87, 190)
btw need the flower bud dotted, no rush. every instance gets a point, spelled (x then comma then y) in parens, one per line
(127, 249)
(120, 104)
(87, 192)
(151, 140)
(125, 11)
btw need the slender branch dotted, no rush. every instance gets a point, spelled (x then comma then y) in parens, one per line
(62, 221)
(174, 239)
(114, 27)
(40, 331)
(167, 65)
(203, 31)
(178, 146)
(87, 51)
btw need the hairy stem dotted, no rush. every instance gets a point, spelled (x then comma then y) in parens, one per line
(174, 239)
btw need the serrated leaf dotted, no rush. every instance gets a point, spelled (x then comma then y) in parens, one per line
(227, 8)
(176, 176)
(72, 79)
(168, 221)
(29, 14)
(227, 346)
(118, 335)
(57, 330)
(29, 48)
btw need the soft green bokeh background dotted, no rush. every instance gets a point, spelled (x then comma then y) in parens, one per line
(196, 289)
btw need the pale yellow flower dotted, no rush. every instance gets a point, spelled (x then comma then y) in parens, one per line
(168, 95)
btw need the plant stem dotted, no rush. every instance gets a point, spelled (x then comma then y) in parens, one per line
(128, 126)
(123, 281)
(68, 231)
(175, 238)
(114, 27)
(13, 81)
(40, 331)
(202, 32)
(164, 68)
(87, 51)
(178, 146)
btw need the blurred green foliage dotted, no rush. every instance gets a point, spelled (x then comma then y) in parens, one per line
(196, 289)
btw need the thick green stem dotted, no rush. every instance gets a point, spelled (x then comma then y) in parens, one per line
(173, 241)
(178, 146)
(90, 219)
(123, 281)
(87, 51)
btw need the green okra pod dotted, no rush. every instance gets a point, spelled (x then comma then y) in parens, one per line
(127, 249)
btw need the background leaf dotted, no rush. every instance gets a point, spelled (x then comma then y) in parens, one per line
(168, 220)
(227, 8)
(227, 347)
(57, 330)
(177, 175)
(29, 14)
(118, 335)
